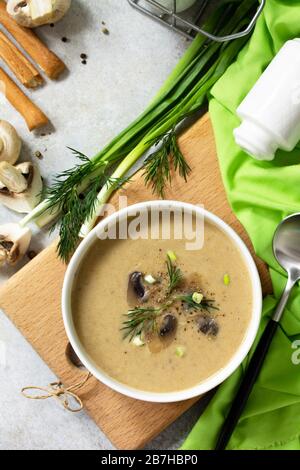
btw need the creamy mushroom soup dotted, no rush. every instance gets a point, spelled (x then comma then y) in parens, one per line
(160, 318)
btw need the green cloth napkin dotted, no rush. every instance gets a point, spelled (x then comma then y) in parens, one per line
(261, 195)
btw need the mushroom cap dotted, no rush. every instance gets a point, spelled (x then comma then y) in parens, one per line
(20, 11)
(14, 242)
(12, 178)
(10, 143)
(27, 200)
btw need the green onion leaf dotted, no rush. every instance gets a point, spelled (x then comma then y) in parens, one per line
(172, 256)
(180, 351)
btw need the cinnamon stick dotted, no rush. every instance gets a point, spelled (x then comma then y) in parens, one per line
(23, 69)
(33, 116)
(35, 48)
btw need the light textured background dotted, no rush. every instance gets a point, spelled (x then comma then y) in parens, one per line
(87, 107)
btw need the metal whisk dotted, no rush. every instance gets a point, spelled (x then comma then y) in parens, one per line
(187, 21)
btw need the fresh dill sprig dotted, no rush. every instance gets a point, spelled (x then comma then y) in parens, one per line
(175, 275)
(159, 164)
(140, 319)
(81, 156)
(143, 320)
(69, 180)
(77, 208)
(73, 195)
(117, 183)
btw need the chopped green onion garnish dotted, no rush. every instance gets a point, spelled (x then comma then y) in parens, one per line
(172, 256)
(197, 298)
(137, 341)
(180, 351)
(226, 279)
(150, 279)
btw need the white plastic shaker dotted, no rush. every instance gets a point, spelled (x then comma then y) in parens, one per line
(270, 113)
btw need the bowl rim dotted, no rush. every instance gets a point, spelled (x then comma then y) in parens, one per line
(205, 385)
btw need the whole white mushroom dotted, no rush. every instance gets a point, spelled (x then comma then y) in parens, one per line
(32, 13)
(10, 143)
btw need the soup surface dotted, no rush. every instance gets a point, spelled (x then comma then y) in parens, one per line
(190, 331)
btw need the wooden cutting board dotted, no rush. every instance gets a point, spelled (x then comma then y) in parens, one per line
(31, 299)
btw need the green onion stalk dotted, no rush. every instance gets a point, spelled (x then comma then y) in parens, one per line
(190, 103)
(77, 195)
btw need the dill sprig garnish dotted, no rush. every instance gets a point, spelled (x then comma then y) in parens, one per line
(141, 320)
(74, 210)
(144, 319)
(73, 195)
(157, 167)
(205, 304)
(175, 275)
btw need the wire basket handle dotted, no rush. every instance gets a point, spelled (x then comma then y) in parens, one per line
(191, 27)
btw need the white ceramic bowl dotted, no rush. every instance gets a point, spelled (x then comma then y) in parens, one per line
(203, 386)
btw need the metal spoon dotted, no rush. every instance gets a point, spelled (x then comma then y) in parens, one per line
(286, 248)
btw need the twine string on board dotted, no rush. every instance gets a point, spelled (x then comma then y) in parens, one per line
(59, 393)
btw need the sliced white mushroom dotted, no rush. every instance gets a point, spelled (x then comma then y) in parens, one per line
(32, 13)
(12, 178)
(14, 243)
(2, 257)
(10, 143)
(20, 186)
